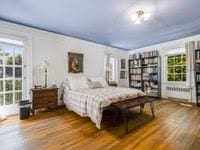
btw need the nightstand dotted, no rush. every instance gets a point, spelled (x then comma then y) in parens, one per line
(44, 98)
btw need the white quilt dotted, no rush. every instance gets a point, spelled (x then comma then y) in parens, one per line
(90, 102)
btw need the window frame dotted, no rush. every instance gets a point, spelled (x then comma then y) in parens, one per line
(174, 55)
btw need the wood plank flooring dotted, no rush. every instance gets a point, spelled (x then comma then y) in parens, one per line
(175, 127)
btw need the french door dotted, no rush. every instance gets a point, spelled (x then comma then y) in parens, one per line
(11, 76)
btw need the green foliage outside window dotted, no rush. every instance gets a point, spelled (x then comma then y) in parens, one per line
(9, 60)
(18, 59)
(8, 98)
(176, 68)
(1, 99)
(9, 85)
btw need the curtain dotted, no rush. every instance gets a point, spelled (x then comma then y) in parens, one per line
(190, 83)
(110, 67)
(107, 65)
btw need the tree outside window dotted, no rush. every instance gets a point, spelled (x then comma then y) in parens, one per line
(176, 68)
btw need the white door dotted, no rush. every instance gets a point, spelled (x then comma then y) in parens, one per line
(11, 76)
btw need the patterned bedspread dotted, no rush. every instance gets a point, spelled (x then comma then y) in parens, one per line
(90, 102)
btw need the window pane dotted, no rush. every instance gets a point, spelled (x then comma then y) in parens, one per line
(170, 70)
(170, 77)
(178, 69)
(1, 99)
(18, 72)
(9, 72)
(178, 77)
(184, 77)
(18, 59)
(8, 98)
(18, 85)
(1, 86)
(1, 61)
(18, 96)
(178, 60)
(184, 69)
(170, 61)
(9, 60)
(9, 85)
(8, 49)
(1, 50)
(1, 72)
(184, 60)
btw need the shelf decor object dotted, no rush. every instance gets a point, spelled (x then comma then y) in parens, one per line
(144, 73)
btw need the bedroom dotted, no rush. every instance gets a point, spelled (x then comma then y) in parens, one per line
(96, 30)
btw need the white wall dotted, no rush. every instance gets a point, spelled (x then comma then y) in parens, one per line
(55, 48)
(164, 50)
(42, 45)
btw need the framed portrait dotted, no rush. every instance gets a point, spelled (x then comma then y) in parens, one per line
(75, 63)
(122, 74)
(123, 63)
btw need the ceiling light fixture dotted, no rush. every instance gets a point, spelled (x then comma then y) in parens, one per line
(140, 16)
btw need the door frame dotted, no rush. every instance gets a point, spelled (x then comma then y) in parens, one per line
(27, 67)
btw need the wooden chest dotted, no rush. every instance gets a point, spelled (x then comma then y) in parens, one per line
(44, 98)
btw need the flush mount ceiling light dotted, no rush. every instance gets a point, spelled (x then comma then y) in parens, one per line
(140, 16)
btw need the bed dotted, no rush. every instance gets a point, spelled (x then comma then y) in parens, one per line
(91, 102)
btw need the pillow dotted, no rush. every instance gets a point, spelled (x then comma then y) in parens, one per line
(101, 80)
(94, 85)
(66, 85)
(78, 82)
(75, 75)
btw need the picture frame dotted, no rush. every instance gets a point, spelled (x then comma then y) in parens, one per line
(75, 62)
(123, 63)
(122, 74)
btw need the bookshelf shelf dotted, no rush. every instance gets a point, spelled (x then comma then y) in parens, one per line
(144, 73)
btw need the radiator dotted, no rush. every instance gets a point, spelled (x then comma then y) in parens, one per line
(178, 93)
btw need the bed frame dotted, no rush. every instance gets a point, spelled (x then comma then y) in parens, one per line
(125, 106)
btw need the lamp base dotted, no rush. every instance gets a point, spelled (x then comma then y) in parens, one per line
(45, 85)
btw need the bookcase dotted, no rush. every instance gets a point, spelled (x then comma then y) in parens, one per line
(197, 76)
(135, 71)
(144, 73)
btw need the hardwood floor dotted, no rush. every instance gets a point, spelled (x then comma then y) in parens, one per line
(175, 127)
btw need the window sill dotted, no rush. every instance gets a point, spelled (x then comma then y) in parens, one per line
(175, 82)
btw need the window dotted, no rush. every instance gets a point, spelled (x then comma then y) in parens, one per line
(11, 58)
(110, 67)
(176, 68)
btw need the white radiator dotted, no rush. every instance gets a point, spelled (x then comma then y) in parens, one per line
(178, 93)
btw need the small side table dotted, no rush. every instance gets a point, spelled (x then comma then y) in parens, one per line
(44, 98)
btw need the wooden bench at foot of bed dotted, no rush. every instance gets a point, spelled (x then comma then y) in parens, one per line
(126, 105)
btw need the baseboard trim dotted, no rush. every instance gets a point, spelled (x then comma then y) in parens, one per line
(181, 102)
